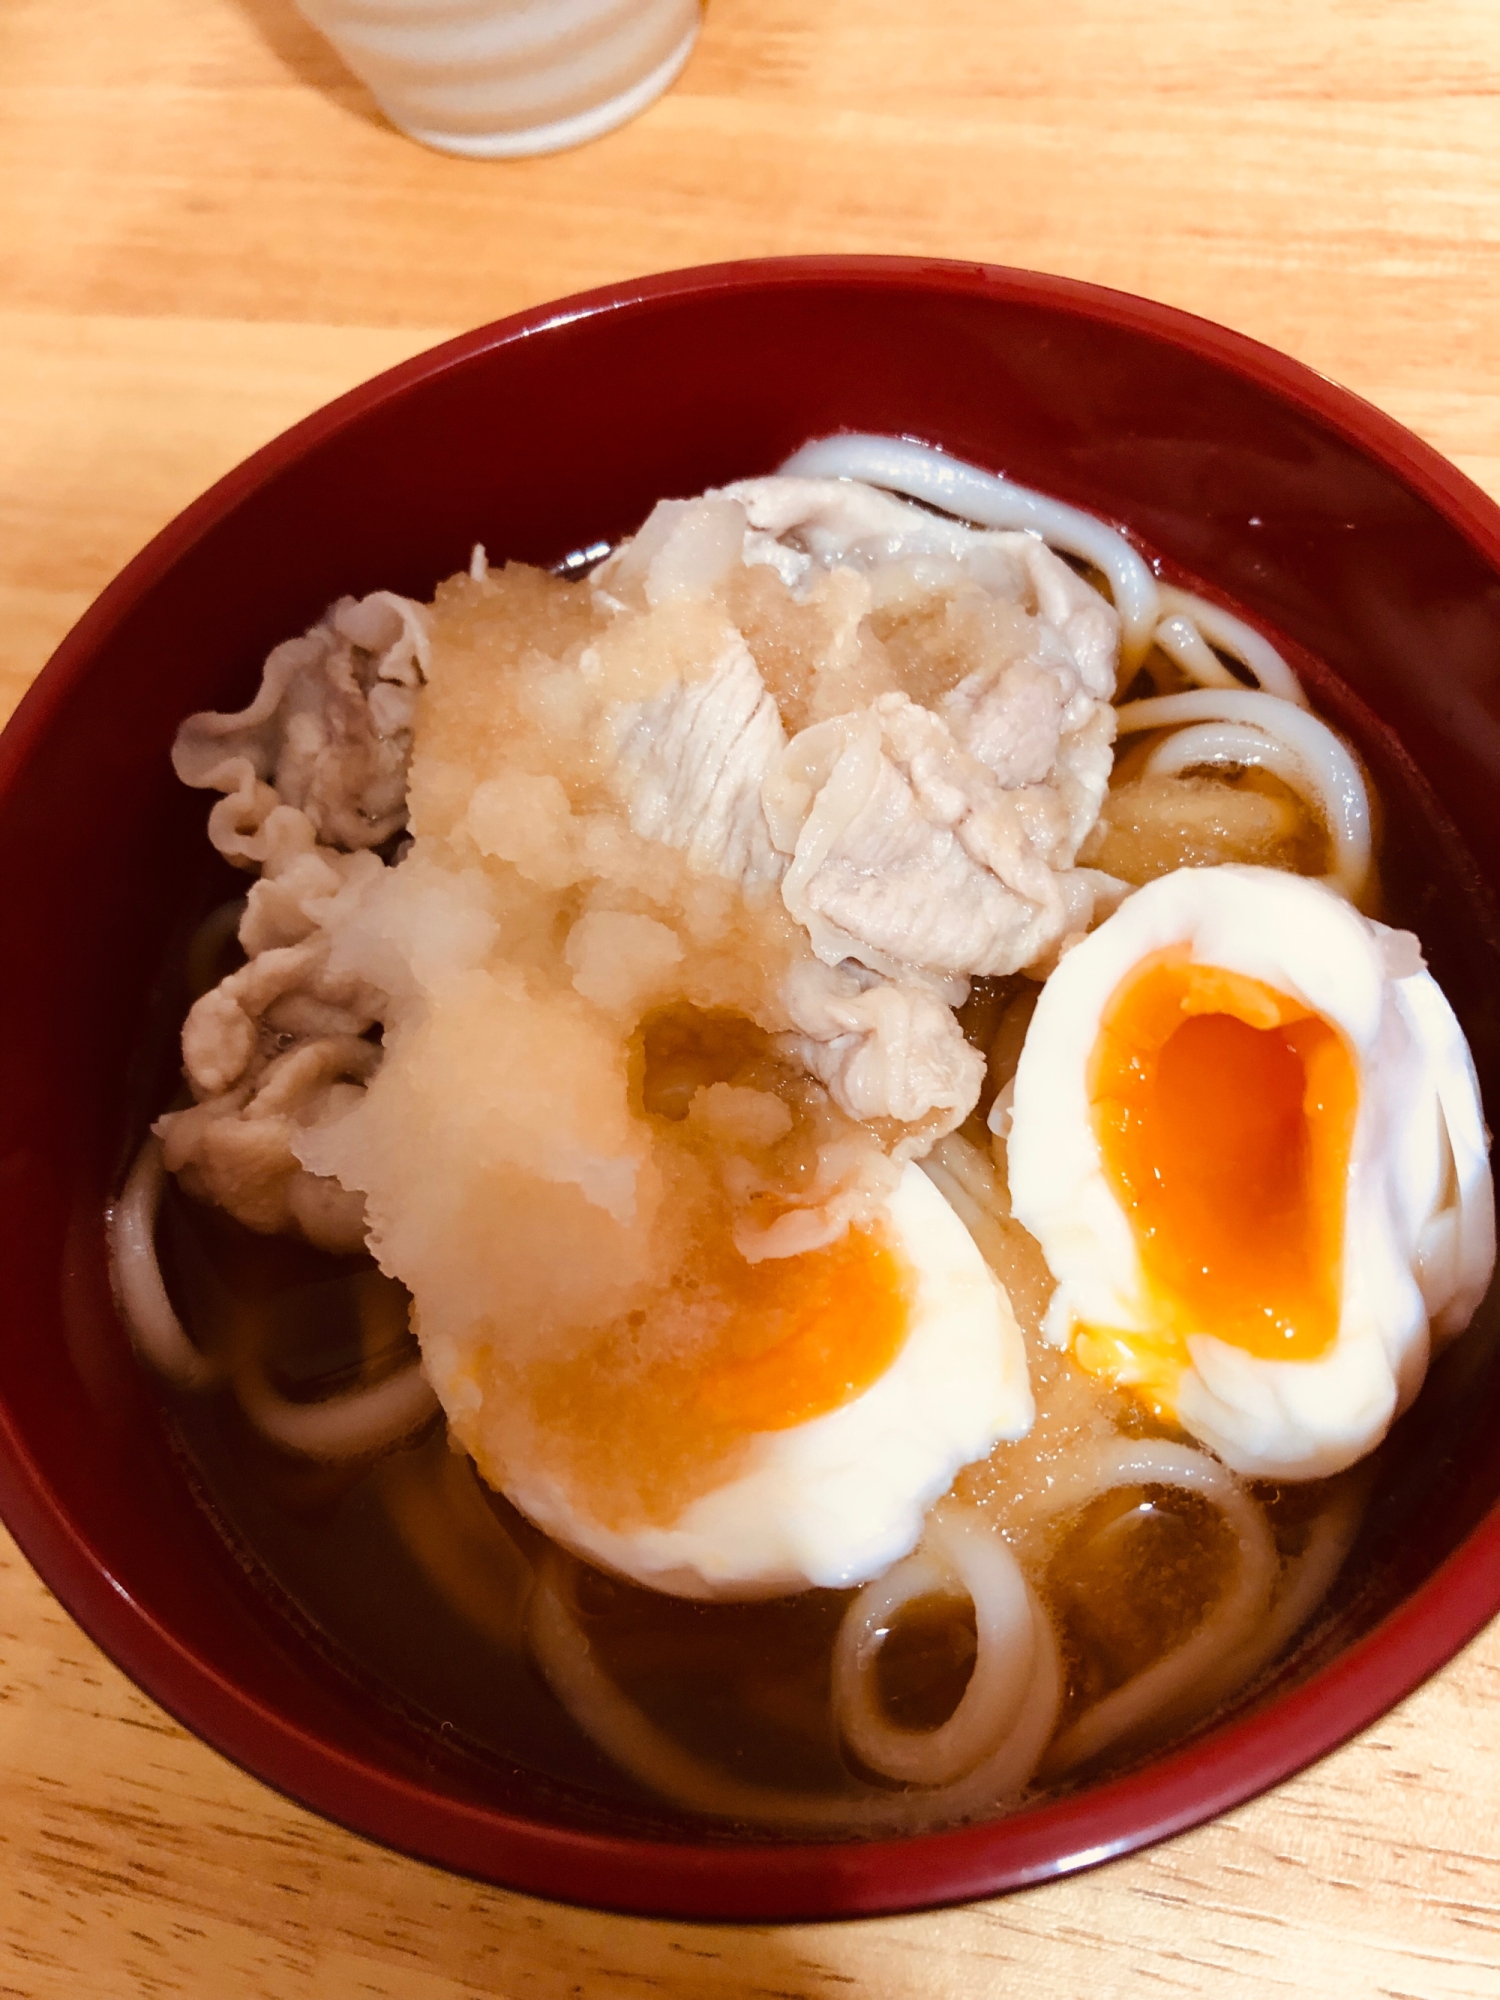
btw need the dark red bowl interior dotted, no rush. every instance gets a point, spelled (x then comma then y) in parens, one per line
(540, 436)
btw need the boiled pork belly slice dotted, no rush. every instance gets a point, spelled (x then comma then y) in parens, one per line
(328, 733)
(1029, 727)
(690, 764)
(1040, 717)
(908, 856)
(799, 525)
(882, 1050)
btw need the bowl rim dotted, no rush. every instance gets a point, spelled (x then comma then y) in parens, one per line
(757, 1881)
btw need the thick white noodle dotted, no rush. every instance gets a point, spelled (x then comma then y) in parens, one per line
(967, 1181)
(1180, 639)
(349, 1425)
(1214, 627)
(1231, 743)
(1293, 743)
(630, 1739)
(1179, 1679)
(960, 1160)
(956, 1550)
(158, 1334)
(439, 1511)
(1308, 1581)
(1004, 1775)
(982, 1222)
(990, 501)
(340, 1427)
(1236, 1639)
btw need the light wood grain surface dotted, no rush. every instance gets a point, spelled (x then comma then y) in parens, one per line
(205, 231)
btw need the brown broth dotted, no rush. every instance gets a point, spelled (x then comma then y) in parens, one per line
(409, 1568)
(414, 1574)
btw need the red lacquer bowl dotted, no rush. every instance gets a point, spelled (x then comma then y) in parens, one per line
(541, 436)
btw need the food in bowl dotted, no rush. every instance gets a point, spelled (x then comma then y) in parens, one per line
(850, 1136)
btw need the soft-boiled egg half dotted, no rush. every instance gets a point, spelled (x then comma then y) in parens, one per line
(1246, 1132)
(883, 1364)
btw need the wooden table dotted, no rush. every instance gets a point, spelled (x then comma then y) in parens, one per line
(205, 231)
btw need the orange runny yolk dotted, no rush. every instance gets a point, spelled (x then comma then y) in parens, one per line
(1224, 1112)
(650, 1413)
(806, 1334)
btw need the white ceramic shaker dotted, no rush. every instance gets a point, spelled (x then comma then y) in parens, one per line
(500, 78)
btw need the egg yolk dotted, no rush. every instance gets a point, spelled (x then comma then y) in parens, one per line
(814, 1332)
(1224, 1112)
(651, 1413)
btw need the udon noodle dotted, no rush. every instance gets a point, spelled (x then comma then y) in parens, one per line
(1110, 1550)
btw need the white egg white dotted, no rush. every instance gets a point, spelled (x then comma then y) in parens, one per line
(837, 1499)
(1419, 1220)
